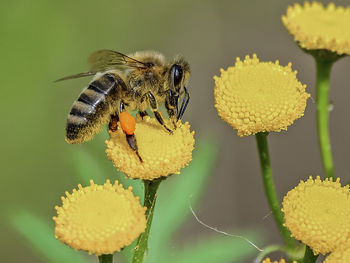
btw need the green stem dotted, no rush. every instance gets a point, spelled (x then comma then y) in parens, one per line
(106, 258)
(323, 68)
(309, 256)
(151, 188)
(261, 140)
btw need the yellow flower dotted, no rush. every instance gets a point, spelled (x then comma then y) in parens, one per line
(318, 214)
(100, 219)
(256, 96)
(162, 153)
(317, 27)
(268, 260)
(340, 255)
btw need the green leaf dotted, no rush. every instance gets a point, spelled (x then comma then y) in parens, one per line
(40, 235)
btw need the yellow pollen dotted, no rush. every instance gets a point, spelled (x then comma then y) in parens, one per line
(340, 255)
(317, 27)
(268, 260)
(256, 96)
(318, 214)
(162, 153)
(100, 219)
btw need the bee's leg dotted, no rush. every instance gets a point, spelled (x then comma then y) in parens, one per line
(133, 145)
(121, 106)
(142, 109)
(113, 123)
(154, 108)
(171, 105)
(184, 104)
(130, 138)
(143, 114)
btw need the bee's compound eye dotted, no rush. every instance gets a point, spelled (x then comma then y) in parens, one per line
(127, 122)
(177, 75)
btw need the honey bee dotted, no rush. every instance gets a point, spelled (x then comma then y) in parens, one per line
(125, 83)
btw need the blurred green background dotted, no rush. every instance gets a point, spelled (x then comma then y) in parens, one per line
(41, 41)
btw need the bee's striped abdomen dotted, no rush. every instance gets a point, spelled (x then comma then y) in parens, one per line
(92, 109)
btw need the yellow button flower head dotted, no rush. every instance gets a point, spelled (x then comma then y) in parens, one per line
(268, 260)
(256, 96)
(100, 219)
(341, 255)
(162, 153)
(318, 213)
(317, 27)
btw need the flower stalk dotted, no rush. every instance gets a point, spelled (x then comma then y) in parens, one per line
(151, 187)
(261, 140)
(309, 256)
(323, 68)
(105, 258)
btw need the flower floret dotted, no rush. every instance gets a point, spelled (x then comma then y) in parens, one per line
(100, 219)
(268, 260)
(256, 96)
(162, 153)
(340, 255)
(318, 214)
(315, 26)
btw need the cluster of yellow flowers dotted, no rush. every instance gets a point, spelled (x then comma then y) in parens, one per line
(102, 219)
(252, 97)
(318, 214)
(256, 96)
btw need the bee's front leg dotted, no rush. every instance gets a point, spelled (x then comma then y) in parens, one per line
(184, 104)
(171, 105)
(154, 108)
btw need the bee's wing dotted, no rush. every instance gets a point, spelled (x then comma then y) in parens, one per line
(103, 60)
(80, 75)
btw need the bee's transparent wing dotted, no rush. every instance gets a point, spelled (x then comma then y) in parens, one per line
(75, 76)
(103, 60)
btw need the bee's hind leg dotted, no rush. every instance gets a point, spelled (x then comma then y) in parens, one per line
(113, 123)
(130, 138)
(129, 134)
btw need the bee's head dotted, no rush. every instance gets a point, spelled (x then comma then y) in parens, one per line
(179, 74)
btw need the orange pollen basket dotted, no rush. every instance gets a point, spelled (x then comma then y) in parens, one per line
(127, 122)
